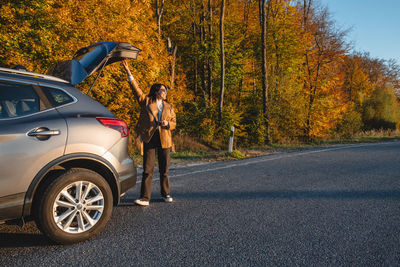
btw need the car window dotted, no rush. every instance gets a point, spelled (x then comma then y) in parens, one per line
(57, 97)
(91, 57)
(18, 99)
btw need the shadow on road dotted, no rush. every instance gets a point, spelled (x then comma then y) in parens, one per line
(127, 202)
(291, 194)
(11, 240)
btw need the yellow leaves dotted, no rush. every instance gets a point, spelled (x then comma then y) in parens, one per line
(307, 74)
(7, 14)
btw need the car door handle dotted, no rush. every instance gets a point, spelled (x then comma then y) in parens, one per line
(45, 133)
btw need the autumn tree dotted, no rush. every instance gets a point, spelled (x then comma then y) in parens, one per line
(371, 85)
(321, 64)
(277, 70)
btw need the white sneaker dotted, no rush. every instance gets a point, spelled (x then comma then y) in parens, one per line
(168, 199)
(142, 202)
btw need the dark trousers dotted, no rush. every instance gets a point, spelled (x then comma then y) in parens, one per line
(149, 155)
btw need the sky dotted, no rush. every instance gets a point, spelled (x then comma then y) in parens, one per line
(374, 25)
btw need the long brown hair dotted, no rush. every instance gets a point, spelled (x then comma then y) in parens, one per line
(154, 89)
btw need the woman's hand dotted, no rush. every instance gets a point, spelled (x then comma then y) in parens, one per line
(165, 124)
(125, 64)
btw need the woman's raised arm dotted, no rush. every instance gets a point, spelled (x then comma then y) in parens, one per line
(137, 92)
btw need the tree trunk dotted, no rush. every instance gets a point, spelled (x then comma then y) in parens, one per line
(306, 11)
(173, 67)
(209, 61)
(264, 13)
(203, 50)
(254, 84)
(221, 31)
(195, 63)
(159, 12)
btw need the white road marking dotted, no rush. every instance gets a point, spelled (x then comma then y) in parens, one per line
(291, 155)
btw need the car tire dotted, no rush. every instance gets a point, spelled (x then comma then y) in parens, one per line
(75, 206)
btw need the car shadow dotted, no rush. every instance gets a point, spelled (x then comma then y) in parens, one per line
(12, 235)
(129, 202)
(278, 195)
(12, 240)
(292, 194)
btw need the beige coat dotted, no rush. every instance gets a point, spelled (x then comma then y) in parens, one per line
(147, 124)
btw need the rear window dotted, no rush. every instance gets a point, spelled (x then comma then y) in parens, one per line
(18, 99)
(91, 57)
(57, 97)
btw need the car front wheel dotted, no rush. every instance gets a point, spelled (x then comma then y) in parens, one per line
(75, 206)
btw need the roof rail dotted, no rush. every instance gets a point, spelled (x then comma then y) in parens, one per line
(32, 74)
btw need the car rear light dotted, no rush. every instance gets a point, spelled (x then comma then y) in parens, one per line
(116, 124)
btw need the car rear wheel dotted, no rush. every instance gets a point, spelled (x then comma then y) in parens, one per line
(75, 206)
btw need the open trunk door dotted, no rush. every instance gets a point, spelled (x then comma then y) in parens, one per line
(90, 59)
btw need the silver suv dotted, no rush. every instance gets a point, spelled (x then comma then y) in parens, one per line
(63, 156)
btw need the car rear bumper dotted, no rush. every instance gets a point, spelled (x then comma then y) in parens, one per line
(127, 178)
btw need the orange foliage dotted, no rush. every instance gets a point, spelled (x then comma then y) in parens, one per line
(315, 88)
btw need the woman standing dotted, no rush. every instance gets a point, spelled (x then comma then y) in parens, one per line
(156, 120)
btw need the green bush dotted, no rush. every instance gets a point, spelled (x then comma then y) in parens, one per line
(350, 124)
(381, 111)
(254, 127)
(236, 154)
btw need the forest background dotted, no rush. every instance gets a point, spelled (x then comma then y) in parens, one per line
(280, 71)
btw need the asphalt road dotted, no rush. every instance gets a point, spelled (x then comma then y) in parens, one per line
(335, 206)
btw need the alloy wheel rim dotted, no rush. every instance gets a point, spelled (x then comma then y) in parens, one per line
(78, 207)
